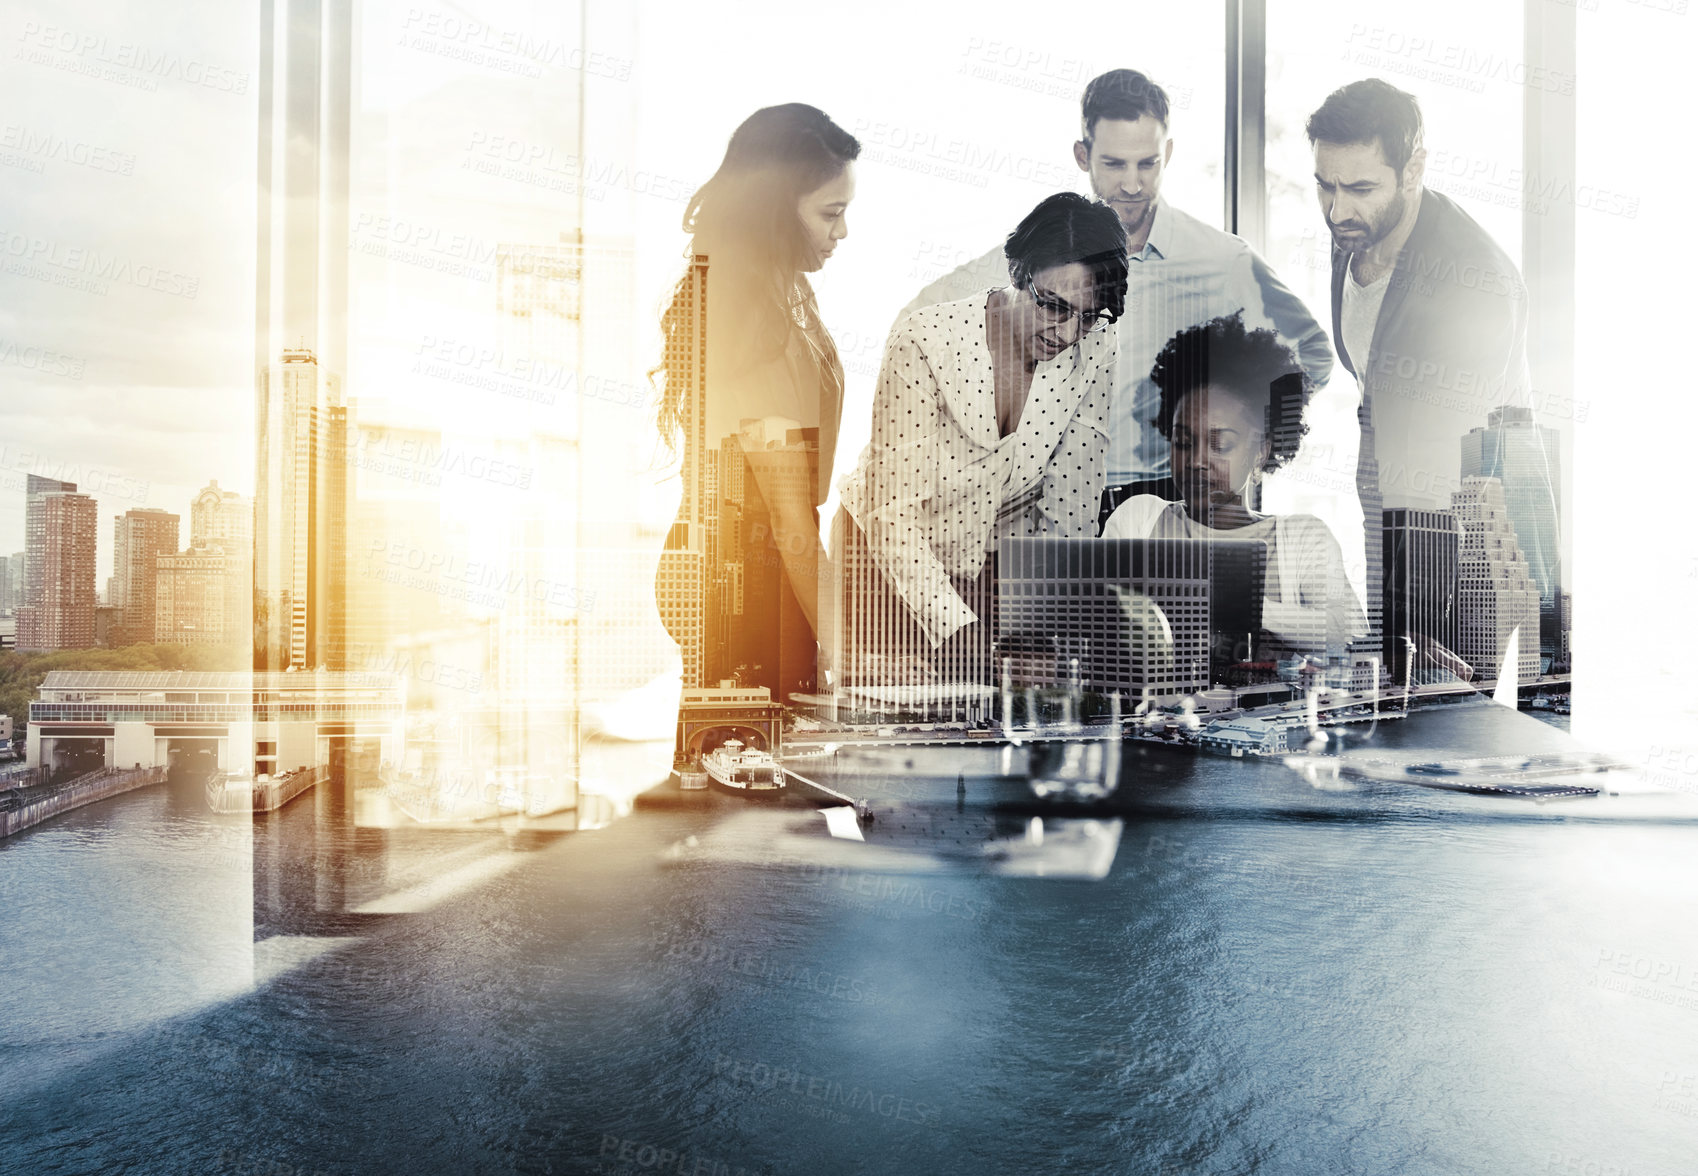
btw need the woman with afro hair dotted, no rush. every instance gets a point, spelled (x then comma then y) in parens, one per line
(1232, 408)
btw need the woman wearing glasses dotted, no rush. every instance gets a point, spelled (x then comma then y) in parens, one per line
(989, 421)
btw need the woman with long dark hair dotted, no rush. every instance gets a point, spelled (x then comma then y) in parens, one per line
(752, 380)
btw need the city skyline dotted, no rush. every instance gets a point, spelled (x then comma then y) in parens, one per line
(419, 221)
(215, 589)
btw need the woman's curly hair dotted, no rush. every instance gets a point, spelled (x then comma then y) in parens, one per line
(1255, 365)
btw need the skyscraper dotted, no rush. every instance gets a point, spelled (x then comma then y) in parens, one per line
(534, 534)
(877, 647)
(222, 517)
(301, 311)
(530, 534)
(679, 591)
(725, 575)
(201, 597)
(300, 515)
(1421, 550)
(1496, 595)
(1526, 458)
(1372, 542)
(1565, 627)
(716, 621)
(682, 580)
(60, 526)
(777, 647)
(394, 510)
(539, 292)
(140, 536)
(1133, 618)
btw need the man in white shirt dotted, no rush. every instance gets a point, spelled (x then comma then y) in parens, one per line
(1183, 273)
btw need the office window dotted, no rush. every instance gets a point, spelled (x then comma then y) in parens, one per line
(1465, 64)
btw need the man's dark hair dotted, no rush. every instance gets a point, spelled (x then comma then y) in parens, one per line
(1067, 228)
(1253, 365)
(1370, 111)
(1125, 94)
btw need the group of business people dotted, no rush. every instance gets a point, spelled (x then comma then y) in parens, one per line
(1115, 368)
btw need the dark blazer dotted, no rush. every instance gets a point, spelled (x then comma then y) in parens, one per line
(1449, 346)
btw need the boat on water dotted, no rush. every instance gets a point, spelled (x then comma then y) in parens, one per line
(1550, 776)
(745, 771)
(911, 840)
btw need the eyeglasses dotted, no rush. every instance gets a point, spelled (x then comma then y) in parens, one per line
(1058, 310)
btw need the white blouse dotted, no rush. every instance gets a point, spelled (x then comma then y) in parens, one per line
(938, 485)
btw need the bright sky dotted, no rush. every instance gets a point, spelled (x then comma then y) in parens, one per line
(118, 171)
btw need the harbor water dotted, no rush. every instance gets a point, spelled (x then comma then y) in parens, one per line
(1273, 977)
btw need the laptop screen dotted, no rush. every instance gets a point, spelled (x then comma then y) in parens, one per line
(1164, 616)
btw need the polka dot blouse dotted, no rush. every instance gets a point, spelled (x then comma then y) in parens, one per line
(938, 485)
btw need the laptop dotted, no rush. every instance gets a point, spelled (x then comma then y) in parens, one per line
(1162, 616)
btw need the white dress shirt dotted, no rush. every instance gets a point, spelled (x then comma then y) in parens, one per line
(938, 485)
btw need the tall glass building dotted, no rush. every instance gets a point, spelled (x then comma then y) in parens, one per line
(1420, 549)
(1496, 595)
(1526, 458)
(1133, 616)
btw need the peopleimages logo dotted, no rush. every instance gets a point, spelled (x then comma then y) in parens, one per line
(890, 895)
(633, 1156)
(1039, 70)
(445, 572)
(1658, 971)
(414, 461)
(89, 479)
(1446, 62)
(545, 165)
(422, 668)
(1471, 174)
(782, 975)
(829, 1093)
(39, 359)
(950, 157)
(44, 40)
(448, 35)
(431, 247)
(44, 146)
(523, 377)
(90, 269)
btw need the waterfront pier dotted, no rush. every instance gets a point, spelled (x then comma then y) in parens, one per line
(263, 796)
(31, 806)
